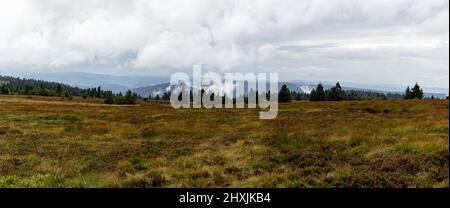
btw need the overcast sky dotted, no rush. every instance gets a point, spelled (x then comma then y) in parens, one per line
(374, 41)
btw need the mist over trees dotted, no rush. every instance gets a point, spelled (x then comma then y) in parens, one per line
(12, 85)
(319, 93)
(336, 93)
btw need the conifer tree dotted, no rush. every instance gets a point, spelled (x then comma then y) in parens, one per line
(335, 93)
(4, 90)
(408, 93)
(318, 94)
(284, 95)
(417, 92)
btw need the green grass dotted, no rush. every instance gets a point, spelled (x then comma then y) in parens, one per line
(63, 143)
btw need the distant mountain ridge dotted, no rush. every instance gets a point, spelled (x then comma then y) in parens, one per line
(115, 83)
(146, 85)
(376, 87)
(159, 89)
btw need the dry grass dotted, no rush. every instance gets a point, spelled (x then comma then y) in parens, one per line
(50, 142)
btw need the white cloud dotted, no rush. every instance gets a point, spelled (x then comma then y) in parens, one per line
(349, 40)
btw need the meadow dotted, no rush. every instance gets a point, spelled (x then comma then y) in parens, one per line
(54, 142)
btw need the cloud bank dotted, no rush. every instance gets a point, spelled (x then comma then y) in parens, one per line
(375, 41)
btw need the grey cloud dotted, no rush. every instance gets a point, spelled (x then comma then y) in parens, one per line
(399, 41)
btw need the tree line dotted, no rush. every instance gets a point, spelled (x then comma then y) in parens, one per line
(13, 85)
(319, 93)
(336, 93)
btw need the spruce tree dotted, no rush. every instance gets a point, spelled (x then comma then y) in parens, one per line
(408, 93)
(284, 95)
(4, 90)
(313, 95)
(417, 92)
(130, 98)
(59, 90)
(28, 89)
(99, 92)
(166, 96)
(318, 94)
(335, 93)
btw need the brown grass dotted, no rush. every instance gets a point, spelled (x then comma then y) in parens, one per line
(50, 142)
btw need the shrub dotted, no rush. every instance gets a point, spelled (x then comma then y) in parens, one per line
(371, 110)
(150, 180)
(14, 131)
(148, 133)
(124, 166)
(2, 131)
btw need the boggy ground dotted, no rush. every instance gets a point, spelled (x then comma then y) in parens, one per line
(51, 142)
